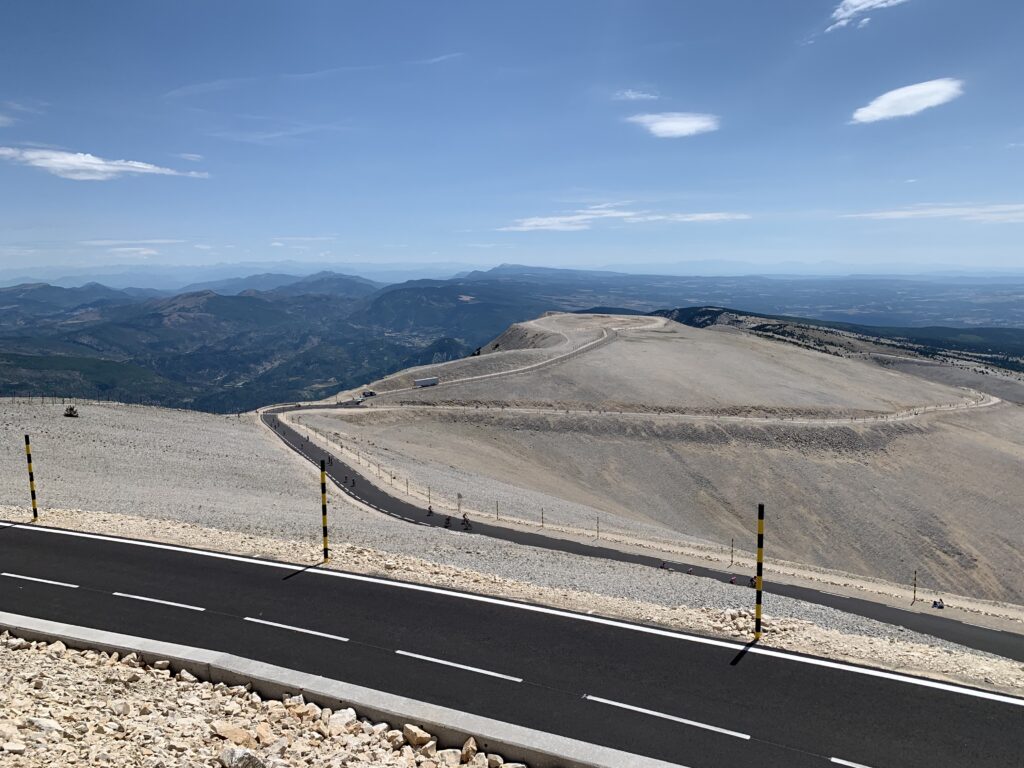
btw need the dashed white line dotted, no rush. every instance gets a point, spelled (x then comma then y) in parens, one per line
(540, 609)
(41, 581)
(847, 763)
(297, 629)
(161, 602)
(460, 666)
(662, 715)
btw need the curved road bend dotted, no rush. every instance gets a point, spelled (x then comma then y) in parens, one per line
(1006, 644)
(684, 699)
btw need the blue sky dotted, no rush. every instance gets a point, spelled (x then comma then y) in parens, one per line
(874, 133)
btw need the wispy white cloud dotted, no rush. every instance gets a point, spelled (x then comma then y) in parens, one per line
(581, 219)
(5, 120)
(910, 100)
(631, 94)
(137, 252)
(150, 241)
(227, 83)
(441, 58)
(689, 217)
(674, 125)
(848, 10)
(259, 129)
(863, 22)
(277, 244)
(308, 238)
(81, 166)
(203, 246)
(192, 157)
(1000, 213)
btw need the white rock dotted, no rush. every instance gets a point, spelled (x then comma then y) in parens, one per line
(415, 735)
(15, 747)
(449, 757)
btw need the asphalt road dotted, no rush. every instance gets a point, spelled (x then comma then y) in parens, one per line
(680, 698)
(995, 641)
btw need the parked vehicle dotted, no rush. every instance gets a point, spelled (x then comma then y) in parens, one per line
(368, 393)
(429, 381)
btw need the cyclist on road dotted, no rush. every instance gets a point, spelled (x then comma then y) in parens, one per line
(465, 522)
(430, 510)
(448, 521)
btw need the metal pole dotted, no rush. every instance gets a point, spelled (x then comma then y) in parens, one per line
(599, 526)
(542, 517)
(760, 571)
(496, 516)
(323, 506)
(31, 479)
(915, 587)
(732, 551)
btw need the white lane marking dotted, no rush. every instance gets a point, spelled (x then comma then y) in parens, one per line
(296, 629)
(41, 581)
(162, 602)
(662, 715)
(847, 763)
(838, 665)
(460, 666)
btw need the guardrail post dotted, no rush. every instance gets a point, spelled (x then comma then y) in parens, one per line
(760, 571)
(915, 587)
(31, 479)
(323, 507)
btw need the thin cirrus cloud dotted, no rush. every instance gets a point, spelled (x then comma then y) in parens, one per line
(6, 120)
(999, 213)
(632, 94)
(848, 10)
(192, 157)
(141, 253)
(675, 125)
(82, 166)
(910, 100)
(228, 83)
(131, 243)
(584, 218)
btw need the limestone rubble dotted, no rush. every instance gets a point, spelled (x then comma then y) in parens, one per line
(65, 707)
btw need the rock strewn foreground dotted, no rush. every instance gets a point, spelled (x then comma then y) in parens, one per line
(61, 707)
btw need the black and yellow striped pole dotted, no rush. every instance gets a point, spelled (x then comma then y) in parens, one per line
(31, 479)
(323, 506)
(760, 571)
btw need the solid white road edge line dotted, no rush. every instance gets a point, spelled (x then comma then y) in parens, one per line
(161, 602)
(296, 629)
(42, 581)
(838, 665)
(662, 715)
(847, 763)
(460, 666)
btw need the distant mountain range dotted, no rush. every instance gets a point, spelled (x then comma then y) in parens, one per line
(240, 342)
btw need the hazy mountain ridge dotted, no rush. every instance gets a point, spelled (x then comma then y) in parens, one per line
(239, 346)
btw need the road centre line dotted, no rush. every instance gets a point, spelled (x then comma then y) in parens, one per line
(662, 715)
(161, 602)
(847, 763)
(296, 629)
(41, 581)
(533, 608)
(460, 666)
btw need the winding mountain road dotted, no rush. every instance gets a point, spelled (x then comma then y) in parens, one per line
(1007, 644)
